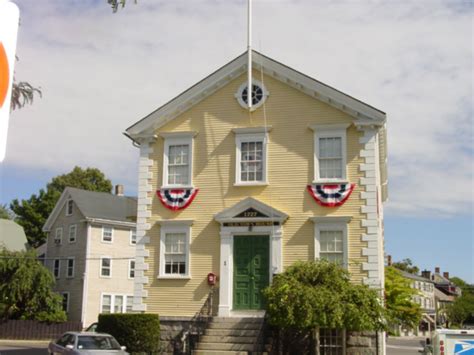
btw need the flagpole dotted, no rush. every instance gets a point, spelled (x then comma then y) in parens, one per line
(249, 54)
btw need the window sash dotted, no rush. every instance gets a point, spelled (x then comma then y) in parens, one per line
(107, 233)
(106, 304)
(69, 207)
(106, 267)
(252, 161)
(59, 234)
(175, 253)
(330, 157)
(131, 269)
(178, 164)
(118, 304)
(133, 236)
(70, 267)
(72, 233)
(56, 268)
(65, 301)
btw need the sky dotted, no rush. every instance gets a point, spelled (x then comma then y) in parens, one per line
(100, 72)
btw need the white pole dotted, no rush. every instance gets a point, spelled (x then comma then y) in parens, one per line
(249, 55)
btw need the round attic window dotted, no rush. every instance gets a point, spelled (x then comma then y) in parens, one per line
(259, 94)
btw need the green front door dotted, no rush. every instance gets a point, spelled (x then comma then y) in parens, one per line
(251, 271)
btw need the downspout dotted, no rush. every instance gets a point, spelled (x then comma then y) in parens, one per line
(84, 277)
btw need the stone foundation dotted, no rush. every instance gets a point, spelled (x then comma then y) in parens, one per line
(364, 343)
(177, 334)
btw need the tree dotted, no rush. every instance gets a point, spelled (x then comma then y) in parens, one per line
(117, 3)
(462, 309)
(401, 309)
(6, 213)
(318, 294)
(407, 266)
(26, 289)
(22, 94)
(33, 213)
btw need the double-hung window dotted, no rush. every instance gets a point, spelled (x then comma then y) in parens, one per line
(330, 239)
(178, 159)
(107, 234)
(105, 267)
(65, 301)
(69, 207)
(72, 233)
(174, 251)
(70, 268)
(133, 237)
(58, 237)
(251, 156)
(330, 152)
(57, 268)
(131, 269)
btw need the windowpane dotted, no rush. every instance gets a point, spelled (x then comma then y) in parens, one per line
(251, 157)
(65, 301)
(133, 236)
(72, 233)
(106, 303)
(107, 234)
(70, 267)
(105, 267)
(178, 164)
(175, 253)
(131, 272)
(331, 246)
(118, 304)
(129, 304)
(330, 157)
(56, 268)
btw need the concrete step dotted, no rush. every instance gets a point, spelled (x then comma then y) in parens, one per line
(219, 352)
(237, 319)
(234, 325)
(227, 347)
(232, 332)
(228, 339)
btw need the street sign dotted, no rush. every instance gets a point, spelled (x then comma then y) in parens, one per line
(9, 20)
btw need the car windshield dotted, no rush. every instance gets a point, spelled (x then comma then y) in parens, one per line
(97, 342)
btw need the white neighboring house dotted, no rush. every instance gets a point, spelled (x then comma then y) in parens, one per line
(90, 250)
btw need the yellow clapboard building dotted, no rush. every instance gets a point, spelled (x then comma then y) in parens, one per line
(243, 194)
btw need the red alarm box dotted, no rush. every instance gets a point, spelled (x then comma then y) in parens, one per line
(211, 279)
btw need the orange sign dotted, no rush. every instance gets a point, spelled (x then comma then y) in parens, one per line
(4, 75)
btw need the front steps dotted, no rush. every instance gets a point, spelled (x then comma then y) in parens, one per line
(231, 336)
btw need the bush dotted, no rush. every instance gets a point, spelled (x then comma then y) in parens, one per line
(138, 332)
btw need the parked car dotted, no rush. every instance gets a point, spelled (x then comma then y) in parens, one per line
(92, 327)
(76, 343)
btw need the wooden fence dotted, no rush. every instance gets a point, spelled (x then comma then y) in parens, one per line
(34, 330)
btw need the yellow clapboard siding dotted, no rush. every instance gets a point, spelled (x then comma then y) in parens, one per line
(290, 170)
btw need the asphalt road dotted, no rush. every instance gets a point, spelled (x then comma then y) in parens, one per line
(405, 345)
(18, 347)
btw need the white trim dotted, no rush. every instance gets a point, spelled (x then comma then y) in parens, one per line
(130, 268)
(68, 299)
(111, 235)
(69, 233)
(273, 214)
(178, 140)
(331, 219)
(245, 138)
(58, 276)
(73, 267)
(178, 135)
(251, 130)
(165, 229)
(110, 267)
(317, 90)
(58, 229)
(175, 222)
(245, 105)
(330, 224)
(85, 285)
(69, 200)
(109, 222)
(112, 295)
(330, 131)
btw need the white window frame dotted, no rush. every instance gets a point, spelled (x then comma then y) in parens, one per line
(245, 138)
(185, 138)
(69, 203)
(68, 299)
(332, 224)
(330, 131)
(57, 275)
(100, 267)
(125, 297)
(130, 269)
(60, 234)
(133, 241)
(68, 275)
(111, 237)
(174, 228)
(72, 227)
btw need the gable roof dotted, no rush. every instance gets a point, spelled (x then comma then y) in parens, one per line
(96, 206)
(12, 236)
(362, 112)
(415, 277)
(232, 213)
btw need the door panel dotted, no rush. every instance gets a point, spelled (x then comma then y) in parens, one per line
(251, 271)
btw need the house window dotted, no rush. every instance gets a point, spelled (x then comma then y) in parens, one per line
(58, 237)
(107, 234)
(69, 207)
(65, 301)
(133, 236)
(72, 233)
(131, 269)
(177, 161)
(331, 245)
(70, 267)
(251, 165)
(118, 304)
(105, 267)
(258, 93)
(128, 304)
(330, 239)
(174, 251)
(56, 268)
(106, 304)
(330, 152)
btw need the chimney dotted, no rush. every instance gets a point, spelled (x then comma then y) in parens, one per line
(119, 190)
(446, 275)
(389, 260)
(426, 274)
(437, 270)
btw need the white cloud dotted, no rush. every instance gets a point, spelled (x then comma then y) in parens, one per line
(100, 72)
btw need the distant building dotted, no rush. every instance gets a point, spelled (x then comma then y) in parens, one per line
(12, 236)
(425, 298)
(446, 292)
(90, 250)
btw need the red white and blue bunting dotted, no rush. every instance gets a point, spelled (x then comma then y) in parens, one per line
(331, 195)
(177, 199)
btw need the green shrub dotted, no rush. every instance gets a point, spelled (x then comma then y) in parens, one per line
(138, 332)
